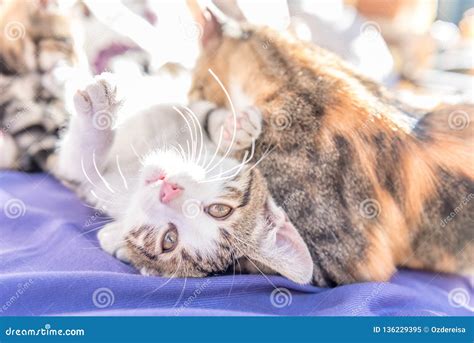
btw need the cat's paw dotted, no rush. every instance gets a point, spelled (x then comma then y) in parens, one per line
(240, 131)
(98, 101)
(112, 241)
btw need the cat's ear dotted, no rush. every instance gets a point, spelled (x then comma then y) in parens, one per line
(282, 248)
(210, 26)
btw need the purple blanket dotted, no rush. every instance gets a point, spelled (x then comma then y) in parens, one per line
(51, 264)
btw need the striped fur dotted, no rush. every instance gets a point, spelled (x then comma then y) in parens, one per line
(366, 185)
(35, 40)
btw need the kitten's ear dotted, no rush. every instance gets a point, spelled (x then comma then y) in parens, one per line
(282, 248)
(45, 6)
(211, 28)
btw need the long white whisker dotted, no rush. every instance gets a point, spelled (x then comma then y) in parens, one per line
(220, 178)
(245, 244)
(182, 292)
(189, 151)
(177, 151)
(189, 128)
(265, 154)
(100, 175)
(195, 138)
(120, 172)
(217, 149)
(140, 158)
(245, 160)
(183, 153)
(99, 198)
(200, 132)
(85, 173)
(229, 149)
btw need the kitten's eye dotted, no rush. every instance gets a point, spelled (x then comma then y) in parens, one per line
(170, 239)
(219, 211)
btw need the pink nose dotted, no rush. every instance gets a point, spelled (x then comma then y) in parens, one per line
(169, 192)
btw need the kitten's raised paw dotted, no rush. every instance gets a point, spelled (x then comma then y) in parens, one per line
(98, 101)
(241, 131)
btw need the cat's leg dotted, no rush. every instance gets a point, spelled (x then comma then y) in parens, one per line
(236, 132)
(84, 148)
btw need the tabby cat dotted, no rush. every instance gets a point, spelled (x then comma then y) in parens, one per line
(367, 185)
(177, 209)
(35, 41)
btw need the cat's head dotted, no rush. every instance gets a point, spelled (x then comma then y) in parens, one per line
(35, 35)
(185, 221)
(229, 49)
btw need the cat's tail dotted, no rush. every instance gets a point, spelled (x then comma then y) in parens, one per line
(447, 135)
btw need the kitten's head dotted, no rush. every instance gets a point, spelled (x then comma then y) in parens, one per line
(36, 35)
(227, 48)
(185, 220)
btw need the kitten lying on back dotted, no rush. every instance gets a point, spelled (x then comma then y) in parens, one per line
(367, 187)
(177, 208)
(35, 39)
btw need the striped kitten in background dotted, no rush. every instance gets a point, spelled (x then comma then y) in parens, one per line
(36, 42)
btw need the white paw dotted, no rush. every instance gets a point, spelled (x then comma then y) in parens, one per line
(144, 271)
(112, 241)
(98, 102)
(238, 133)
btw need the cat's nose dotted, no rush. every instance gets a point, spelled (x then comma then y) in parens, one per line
(169, 191)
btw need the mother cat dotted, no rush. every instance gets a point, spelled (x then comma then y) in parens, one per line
(367, 186)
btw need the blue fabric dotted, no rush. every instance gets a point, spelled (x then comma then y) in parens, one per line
(51, 264)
